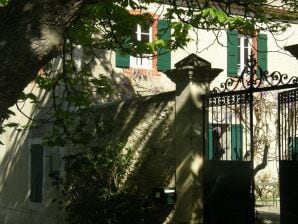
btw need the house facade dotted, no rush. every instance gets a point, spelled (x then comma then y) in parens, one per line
(26, 189)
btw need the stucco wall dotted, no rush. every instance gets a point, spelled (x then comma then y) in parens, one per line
(145, 124)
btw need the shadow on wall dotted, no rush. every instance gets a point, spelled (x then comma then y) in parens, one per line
(15, 204)
(121, 85)
(145, 123)
(130, 82)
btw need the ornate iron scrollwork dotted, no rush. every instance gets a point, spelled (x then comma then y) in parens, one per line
(253, 78)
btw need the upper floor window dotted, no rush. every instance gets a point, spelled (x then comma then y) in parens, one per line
(143, 34)
(161, 61)
(239, 49)
(244, 52)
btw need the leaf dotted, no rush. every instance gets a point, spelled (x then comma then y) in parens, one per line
(12, 124)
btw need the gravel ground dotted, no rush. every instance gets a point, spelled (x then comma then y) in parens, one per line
(268, 214)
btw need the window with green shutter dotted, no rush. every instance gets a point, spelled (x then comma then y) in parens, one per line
(36, 172)
(224, 144)
(164, 55)
(240, 48)
(145, 61)
(236, 141)
(262, 52)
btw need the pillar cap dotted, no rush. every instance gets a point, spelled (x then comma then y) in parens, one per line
(193, 68)
(193, 61)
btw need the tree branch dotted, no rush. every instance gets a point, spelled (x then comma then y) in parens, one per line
(263, 164)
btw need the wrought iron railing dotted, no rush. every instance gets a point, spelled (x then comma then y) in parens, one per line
(254, 78)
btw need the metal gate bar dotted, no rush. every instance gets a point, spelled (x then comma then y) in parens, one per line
(229, 143)
(228, 175)
(228, 125)
(288, 133)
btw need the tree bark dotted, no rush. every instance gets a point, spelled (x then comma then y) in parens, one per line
(31, 33)
(264, 162)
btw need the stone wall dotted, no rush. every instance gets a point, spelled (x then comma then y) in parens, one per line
(146, 126)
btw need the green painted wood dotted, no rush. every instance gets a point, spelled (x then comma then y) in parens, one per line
(293, 148)
(36, 172)
(164, 54)
(122, 60)
(236, 141)
(232, 53)
(262, 53)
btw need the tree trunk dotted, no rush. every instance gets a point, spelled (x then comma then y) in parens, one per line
(31, 33)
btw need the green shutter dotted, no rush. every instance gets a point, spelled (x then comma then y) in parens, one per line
(36, 172)
(293, 148)
(262, 52)
(122, 60)
(232, 53)
(210, 142)
(236, 141)
(164, 55)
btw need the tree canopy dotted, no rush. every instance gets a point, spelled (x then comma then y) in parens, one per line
(32, 32)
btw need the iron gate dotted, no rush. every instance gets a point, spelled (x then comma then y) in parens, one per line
(228, 176)
(288, 156)
(229, 147)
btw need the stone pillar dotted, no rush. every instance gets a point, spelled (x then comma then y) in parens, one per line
(192, 76)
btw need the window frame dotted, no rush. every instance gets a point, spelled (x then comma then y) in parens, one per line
(161, 59)
(257, 41)
(241, 51)
(144, 61)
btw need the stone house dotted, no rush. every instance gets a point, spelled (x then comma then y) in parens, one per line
(172, 151)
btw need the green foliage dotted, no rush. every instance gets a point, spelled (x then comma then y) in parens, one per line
(108, 24)
(93, 188)
(3, 2)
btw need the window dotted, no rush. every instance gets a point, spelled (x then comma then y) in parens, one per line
(240, 47)
(225, 142)
(36, 172)
(158, 28)
(244, 52)
(143, 34)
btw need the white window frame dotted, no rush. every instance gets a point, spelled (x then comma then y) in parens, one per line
(145, 60)
(242, 63)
